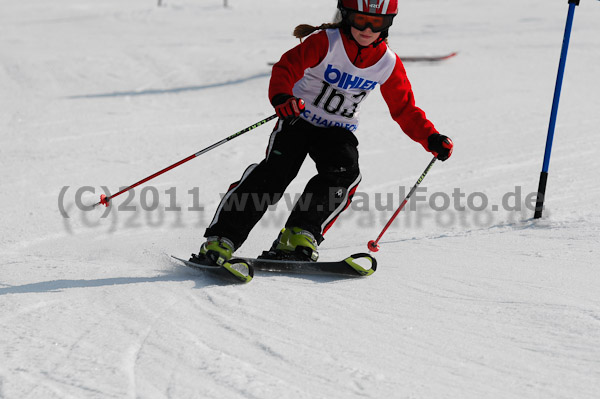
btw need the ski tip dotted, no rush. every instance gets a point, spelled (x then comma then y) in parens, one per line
(364, 264)
(428, 58)
(240, 269)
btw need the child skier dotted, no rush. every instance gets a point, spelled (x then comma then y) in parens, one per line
(317, 89)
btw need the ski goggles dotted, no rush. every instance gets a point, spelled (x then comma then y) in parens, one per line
(377, 23)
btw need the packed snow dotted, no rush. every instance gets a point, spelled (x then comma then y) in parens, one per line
(473, 298)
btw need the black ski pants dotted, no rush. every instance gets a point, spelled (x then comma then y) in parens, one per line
(327, 194)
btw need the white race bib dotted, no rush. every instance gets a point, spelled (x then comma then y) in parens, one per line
(334, 89)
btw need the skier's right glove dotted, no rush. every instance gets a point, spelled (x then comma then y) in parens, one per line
(441, 146)
(287, 107)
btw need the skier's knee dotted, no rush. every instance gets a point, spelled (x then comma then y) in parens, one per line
(341, 175)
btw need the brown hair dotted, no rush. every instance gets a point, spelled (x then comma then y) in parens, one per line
(303, 30)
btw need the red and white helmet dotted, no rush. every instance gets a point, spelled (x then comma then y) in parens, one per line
(379, 7)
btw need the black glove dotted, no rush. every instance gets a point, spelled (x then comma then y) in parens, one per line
(287, 107)
(441, 146)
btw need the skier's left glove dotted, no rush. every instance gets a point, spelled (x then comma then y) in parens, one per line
(287, 107)
(441, 146)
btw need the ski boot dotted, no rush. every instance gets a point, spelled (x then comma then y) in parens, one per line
(217, 250)
(293, 244)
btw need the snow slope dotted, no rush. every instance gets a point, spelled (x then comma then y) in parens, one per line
(466, 303)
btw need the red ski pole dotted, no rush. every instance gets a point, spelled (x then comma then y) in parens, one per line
(374, 244)
(104, 199)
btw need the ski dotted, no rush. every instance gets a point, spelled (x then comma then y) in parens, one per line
(242, 269)
(417, 58)
(356, 265)
(428, 58)
(237, 270)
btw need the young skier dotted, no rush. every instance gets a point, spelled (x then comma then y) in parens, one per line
(317, 89)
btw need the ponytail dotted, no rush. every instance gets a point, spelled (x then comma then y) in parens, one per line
(303, 30)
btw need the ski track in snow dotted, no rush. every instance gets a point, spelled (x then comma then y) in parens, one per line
(465, 304)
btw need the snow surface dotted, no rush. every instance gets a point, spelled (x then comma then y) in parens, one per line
(466, 303)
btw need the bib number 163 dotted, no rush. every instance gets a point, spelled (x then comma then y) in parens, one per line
(333, 101)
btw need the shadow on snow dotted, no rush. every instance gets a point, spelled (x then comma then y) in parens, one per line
(149, 92)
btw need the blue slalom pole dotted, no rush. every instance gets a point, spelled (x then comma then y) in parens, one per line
(539, 206)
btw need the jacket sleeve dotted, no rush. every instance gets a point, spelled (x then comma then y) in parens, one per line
(397, 93)
(290, 68)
